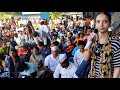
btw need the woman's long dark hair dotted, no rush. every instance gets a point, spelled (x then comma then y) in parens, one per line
(107, 14)
(29, 29)
(17, 58)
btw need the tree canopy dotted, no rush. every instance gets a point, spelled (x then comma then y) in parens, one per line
(55, 15)
(7, 15)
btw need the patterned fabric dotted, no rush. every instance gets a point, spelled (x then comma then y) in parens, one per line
(105, 59)
(78, 58)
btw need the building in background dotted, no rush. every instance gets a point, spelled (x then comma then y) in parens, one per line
(72, 14)
(35, 15)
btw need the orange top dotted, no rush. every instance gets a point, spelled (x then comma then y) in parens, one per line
(77, 39)
(87, 22)
(21, 51)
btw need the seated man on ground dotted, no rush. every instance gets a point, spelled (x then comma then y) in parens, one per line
(65, 68)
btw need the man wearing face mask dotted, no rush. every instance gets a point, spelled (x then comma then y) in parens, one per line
(65, 68)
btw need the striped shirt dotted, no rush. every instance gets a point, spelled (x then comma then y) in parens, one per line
(115, 56)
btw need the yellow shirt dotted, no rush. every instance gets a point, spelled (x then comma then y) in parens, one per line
(77, 39)
(1, 50)
(3, 63)
(6, 51)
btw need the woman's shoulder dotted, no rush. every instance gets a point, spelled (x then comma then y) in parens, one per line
(117, 40)
(115, 44)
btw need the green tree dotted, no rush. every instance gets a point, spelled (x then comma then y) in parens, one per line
(7, 15)
(55, 15)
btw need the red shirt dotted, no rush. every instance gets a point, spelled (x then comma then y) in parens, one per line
(87, 22)
(21, 51)
(69, 47)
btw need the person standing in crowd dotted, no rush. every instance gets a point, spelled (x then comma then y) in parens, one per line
(65, 68)
(103, 51)
(28, 37)
(17, 39)
(81, 22)
(84, 22)
(87, 23)
(40, 35)
(44, 27)
(92, 23)
(31, 26)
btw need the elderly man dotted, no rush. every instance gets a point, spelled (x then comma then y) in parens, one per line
(51, 61)
(65, 68)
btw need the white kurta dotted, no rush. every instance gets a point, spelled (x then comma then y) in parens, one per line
(66, 73)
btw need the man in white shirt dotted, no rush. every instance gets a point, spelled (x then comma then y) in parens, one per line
(44, 28)
(51, 61)
(17, 39)
(20, 33)
(65, 69)
(81, 23)
(40, 35)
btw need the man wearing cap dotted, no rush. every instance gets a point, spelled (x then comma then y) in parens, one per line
(65, 68)
(51, 61)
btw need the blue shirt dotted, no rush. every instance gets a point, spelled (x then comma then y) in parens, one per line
(45, 52)
(65, 44)
(32, 68)
(73, 52)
